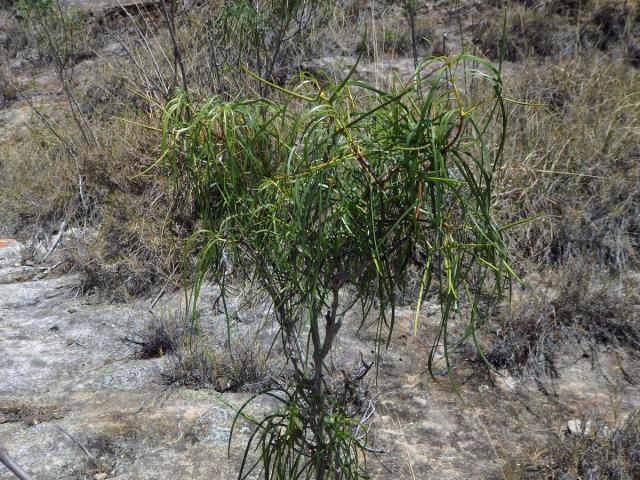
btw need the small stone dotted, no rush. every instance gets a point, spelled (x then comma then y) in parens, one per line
(505, 381)
(29, 263)
(483, 388)
(578, 427)
(420, 401)
(72, 310)
(604, 432)
(100, 476)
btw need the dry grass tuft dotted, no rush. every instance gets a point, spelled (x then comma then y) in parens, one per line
(574, 304)
(160, 336)
(595, 454)
(199, 364)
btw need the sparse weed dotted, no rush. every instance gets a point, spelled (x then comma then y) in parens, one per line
(197, 363)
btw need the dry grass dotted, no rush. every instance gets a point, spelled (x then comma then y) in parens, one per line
(575, 161)
(596, 453)
(42, 184)
(200, 364)
(529, 33)
(392, 38)
(28, 414)
(574, 305)
(559, 28)
(136, 248)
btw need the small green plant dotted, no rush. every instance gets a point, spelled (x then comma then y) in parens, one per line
(338, 189)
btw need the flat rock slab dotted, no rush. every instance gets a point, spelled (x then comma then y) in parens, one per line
(68, 383)
(67, 379)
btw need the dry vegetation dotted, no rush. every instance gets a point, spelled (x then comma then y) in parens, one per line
(595, 451)
(572, 166)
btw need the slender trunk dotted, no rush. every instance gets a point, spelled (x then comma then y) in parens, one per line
(10, 463)
(414, 42)
(318, 399)
(320, 352)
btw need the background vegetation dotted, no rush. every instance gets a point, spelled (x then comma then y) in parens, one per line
(570, 168)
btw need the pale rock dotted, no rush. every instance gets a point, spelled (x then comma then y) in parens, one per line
(505, 381)
(10, 252)
(579, 427)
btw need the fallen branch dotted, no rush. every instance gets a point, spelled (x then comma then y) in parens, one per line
(16, 469)
(158, 297)
(84, 449)
(47, 271)
(62, 228)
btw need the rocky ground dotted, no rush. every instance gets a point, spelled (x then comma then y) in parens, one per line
(76, 401)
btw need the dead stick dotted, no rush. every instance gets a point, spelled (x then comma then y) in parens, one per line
(84, 449)
(16, 469)
(47, 271)
(62, 228)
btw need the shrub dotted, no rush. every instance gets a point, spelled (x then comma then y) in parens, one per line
(339, 187)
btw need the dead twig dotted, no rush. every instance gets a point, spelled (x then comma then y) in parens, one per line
(16, 469)
(84, 449)
(41, 275)
(62, 228)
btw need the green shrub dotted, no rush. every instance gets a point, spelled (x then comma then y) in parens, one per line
(335, 189)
